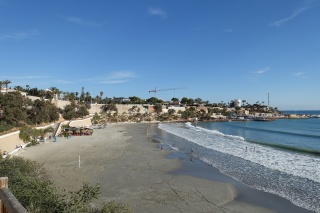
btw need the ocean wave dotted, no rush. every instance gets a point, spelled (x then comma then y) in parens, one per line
(215, 132)
(293, 163)
(288, 148)
(280, 132)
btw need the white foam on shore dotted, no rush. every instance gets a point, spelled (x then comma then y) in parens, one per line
(261, 167)
(296, 164)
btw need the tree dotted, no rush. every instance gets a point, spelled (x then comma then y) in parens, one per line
(110, 108)
(198, 100)
(34, 91)
(82, 94)
(154, 100)
(175, 101)
(187, 114)
(101, 94)
(135, 100)
(82, 111)
(43, 111)
(7, 82)
(184, 100)
(19, 88)
(69, 111)
(28, 134)
(14, 108)
(88, 97)
(158, 108)
(171, 111)
(27, 88)
(56, 92)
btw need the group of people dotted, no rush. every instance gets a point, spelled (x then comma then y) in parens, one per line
(19, 146)
(191, 153)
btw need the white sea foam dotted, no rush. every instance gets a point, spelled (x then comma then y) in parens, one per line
(296, 164)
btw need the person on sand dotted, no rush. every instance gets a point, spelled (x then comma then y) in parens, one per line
(161, 147)
(191, 155)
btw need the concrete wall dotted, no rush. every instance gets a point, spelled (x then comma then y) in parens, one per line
(125, 108)
(80, 123)
(95, 108)
(9, 141)
(60, 103)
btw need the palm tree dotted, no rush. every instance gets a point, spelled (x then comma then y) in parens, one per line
(0, 85)
(27, 88)
(19, 88)
(6, 82)
(72, 95)
(101, 94)
(87, 97)
(55, 91)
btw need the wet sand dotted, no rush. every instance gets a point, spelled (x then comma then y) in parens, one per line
(131, 168)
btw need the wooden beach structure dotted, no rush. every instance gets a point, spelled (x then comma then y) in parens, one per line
(8, 202)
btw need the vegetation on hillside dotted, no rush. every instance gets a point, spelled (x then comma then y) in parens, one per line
(17, 110)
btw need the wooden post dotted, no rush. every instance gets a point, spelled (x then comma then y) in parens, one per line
(8, 202)
(3, 184)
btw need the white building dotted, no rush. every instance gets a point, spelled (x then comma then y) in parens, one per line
(237, 103)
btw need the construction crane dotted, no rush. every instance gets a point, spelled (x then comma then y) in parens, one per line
(158, 90)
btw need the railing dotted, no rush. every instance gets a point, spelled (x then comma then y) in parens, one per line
(8, 202)
(56, 129)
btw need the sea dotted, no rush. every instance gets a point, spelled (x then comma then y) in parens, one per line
(281, 157)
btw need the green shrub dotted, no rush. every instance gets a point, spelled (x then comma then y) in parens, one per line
(31, 185)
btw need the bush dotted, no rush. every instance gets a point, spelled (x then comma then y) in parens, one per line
(31, 185)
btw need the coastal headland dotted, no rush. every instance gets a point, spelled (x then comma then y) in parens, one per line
(131, 168)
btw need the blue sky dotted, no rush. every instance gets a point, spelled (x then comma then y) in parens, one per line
(216, 50)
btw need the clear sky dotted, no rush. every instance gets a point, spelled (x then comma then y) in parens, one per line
(217, 50)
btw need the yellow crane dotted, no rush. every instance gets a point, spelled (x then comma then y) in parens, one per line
(155, 90)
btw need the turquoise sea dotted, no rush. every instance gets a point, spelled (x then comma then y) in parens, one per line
(281, 157)
(302, 112)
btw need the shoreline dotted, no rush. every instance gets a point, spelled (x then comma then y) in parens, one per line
(245, 193)
(132, 169)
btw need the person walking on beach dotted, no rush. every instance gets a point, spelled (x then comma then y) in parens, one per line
(191, 155)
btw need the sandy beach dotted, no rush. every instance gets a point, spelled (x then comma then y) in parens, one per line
(131, 168)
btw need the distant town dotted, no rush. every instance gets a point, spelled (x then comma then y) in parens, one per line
(22, 106)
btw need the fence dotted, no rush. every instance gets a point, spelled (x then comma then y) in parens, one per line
(8, 202)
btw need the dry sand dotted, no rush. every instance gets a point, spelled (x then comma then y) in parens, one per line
(131, 168)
